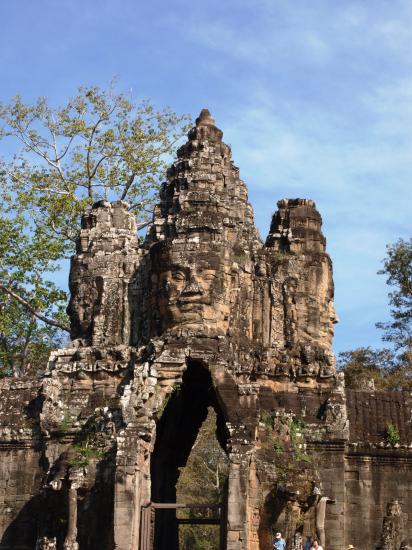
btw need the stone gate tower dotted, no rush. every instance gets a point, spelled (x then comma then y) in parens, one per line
(235, 323)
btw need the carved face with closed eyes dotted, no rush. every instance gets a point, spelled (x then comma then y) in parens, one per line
(190, 290)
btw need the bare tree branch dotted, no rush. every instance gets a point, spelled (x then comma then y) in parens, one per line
(89, 146)
(97, 167)
(56, 154)
(61, 232)
(25, 347)
(32, 146)
(37, 314)
(128, 185)
(137, 204)
(14, 177)
(142, 225)
(91, 174)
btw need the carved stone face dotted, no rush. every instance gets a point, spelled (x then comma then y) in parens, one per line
(190, 289)
(321, 293)
(84, 300)
(333, 316)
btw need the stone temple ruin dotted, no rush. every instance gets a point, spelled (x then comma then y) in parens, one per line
(89, 452)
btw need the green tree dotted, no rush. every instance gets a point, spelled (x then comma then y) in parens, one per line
(100, 144)
(398, 269)
(389, 368)
(202, 480)
(25, 343)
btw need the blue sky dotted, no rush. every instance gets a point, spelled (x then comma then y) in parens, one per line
(315, 98)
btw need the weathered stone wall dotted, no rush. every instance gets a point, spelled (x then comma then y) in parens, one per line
(373, 479)
(20, 469)
(203, 314)
(377, 471)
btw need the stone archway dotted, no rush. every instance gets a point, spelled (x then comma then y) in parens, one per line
(177, 429)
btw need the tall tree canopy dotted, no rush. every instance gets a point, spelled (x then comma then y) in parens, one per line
(100, 144)
(398, 269)
(390, 368)
(203, 481)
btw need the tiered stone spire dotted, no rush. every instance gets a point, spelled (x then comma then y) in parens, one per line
(296, 227)
(202, 226)
(204, 195)
(296, 249)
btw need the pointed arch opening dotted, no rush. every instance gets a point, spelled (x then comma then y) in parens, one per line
(189, 460)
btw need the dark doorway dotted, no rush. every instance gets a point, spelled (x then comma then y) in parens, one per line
(189, 406)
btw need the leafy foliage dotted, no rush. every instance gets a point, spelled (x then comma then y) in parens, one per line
(27, 259)
(65, 424)
(291, 441)
(398, 268)
(267, 419)
(174, 393)
(389, 368)
(25, 343)
(392, 434)
(202, 481)
(98, 145)
(297, 430)
(84, 454)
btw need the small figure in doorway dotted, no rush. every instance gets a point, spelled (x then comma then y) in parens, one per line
(316, 545)
(279, 542)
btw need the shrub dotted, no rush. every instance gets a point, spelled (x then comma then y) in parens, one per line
(392, 434)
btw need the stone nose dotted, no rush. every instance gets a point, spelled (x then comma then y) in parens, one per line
(192, 287)
(334, 317)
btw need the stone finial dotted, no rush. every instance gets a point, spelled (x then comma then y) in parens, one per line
(205, 118)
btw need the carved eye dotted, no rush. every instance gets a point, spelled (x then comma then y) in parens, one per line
(208, 276)
(179, 276)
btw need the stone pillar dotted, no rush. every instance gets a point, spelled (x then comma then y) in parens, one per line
(320, 519)
(70, 542)
(132, 489)
(236, 514)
